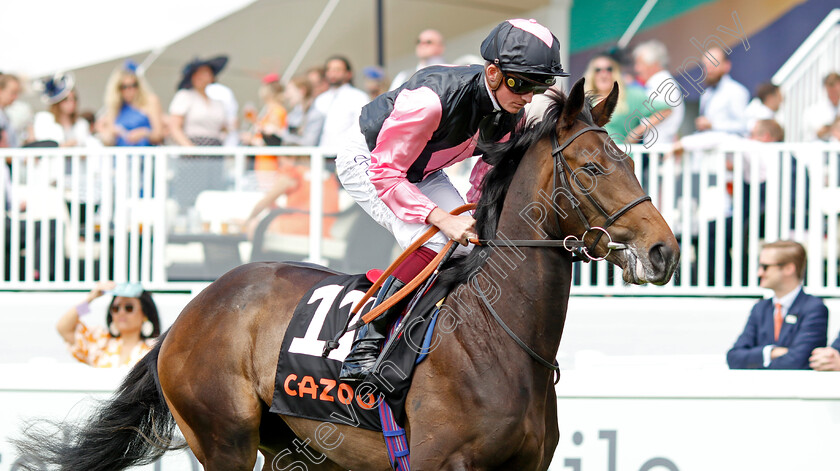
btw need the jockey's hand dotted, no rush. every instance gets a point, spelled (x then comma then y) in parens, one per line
(458, 228)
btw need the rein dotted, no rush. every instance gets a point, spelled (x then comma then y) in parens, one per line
(571, 243)
(536, 356)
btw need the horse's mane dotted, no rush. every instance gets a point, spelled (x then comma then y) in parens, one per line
(504, 158)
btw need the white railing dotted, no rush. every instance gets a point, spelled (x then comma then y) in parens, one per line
(725, 220)
(92, 214)
(85, 215)
(801, 76)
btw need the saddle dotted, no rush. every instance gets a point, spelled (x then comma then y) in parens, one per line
(307, 384)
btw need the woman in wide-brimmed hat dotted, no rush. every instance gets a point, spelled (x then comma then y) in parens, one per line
(133, 115)
(195, 118)
(62, 122)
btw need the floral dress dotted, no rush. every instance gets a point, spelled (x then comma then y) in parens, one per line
(98, 348)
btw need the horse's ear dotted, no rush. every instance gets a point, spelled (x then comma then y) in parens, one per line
(603, 111)
(573, 106)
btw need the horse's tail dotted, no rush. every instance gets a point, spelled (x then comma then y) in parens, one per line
(133, 428)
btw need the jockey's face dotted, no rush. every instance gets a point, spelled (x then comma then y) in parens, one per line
(509, 101)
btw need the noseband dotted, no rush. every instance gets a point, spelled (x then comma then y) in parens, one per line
(571, 242)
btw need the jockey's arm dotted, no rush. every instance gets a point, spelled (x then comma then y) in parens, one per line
(402, 138)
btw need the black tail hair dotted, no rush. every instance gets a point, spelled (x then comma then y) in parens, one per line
(133, 428)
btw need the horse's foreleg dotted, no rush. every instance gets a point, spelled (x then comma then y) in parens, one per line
(552, 428)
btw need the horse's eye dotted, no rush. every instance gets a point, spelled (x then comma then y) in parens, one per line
(592, 168)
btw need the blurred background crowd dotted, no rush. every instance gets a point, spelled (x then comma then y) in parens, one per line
(264, 85)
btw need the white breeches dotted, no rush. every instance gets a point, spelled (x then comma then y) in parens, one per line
(352, 166)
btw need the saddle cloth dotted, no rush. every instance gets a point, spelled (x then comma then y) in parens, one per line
(307, 384)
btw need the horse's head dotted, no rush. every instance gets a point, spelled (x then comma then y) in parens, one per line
(595, 194)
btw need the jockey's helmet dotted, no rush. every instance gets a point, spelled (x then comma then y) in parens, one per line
(526, 48)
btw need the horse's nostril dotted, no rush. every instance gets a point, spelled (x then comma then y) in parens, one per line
(659, 255)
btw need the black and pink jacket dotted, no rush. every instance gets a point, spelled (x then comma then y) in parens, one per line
(429, 123)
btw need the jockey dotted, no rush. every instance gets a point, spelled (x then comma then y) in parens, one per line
(392, 161)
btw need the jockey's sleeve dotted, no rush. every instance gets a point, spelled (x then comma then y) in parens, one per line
(479, 170)
(403, 136)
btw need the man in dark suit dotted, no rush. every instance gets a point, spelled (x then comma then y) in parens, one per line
(826, 358)
(782, 331)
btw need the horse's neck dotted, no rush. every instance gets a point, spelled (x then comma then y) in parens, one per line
(533, 297)
(545, 271)
(533, 283)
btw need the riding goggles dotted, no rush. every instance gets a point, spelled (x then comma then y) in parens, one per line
(522, 85)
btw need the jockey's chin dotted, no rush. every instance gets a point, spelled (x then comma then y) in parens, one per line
(511, 102)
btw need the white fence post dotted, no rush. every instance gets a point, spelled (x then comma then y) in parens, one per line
(316, 206)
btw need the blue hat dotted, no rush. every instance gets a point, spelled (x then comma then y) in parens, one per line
(216, 64)
(373, 72)
(130, 66)
(127, 290)
(57, 88)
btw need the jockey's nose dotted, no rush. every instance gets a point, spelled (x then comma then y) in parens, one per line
(528, 97)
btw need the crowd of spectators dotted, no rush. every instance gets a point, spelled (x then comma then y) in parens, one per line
(657, 110)
(203, 111)
(790, 329)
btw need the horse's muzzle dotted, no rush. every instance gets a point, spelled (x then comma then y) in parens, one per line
(663, 261)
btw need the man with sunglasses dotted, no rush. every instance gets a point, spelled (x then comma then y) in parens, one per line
(781, 331)
(429, 51)
(392, 162)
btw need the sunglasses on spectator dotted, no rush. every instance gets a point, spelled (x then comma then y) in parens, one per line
(765, 266)
(522, 85)
(125, 86)
(425, 41)
(601, 69)
(129, 308)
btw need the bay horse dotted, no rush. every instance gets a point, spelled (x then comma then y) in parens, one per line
(478, 402)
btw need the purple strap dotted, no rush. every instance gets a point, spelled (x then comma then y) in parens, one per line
(395, 439)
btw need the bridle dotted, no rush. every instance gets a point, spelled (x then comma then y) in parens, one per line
(571, 242)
